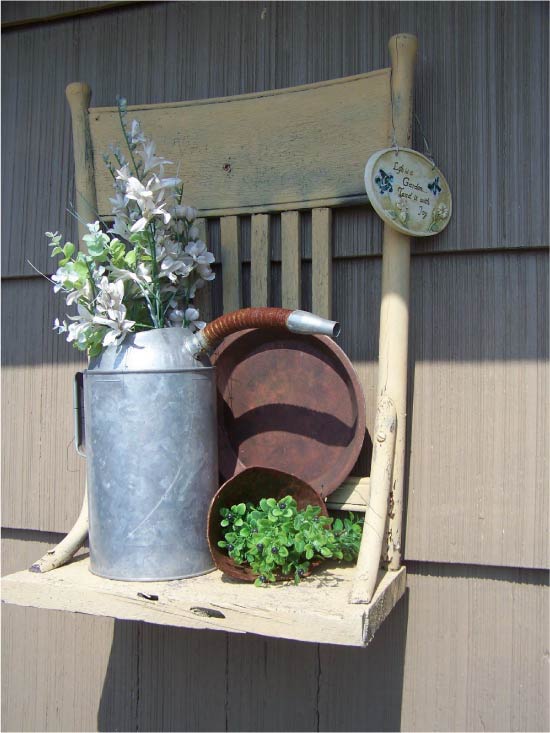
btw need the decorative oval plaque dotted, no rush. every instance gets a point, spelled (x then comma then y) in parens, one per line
(408, 191)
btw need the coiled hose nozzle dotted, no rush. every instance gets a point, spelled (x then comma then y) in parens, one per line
(296, 321)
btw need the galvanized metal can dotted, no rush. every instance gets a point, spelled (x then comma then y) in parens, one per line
(151, 448)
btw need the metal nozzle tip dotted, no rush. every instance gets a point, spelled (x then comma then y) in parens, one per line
(304, 322)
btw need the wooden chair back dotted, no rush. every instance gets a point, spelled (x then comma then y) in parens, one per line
(288, 151)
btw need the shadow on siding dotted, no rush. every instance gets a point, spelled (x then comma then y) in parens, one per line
(168, 679)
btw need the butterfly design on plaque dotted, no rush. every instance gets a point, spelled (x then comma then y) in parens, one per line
(408, 191)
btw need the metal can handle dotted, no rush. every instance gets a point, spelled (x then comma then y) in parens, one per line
(78, 406)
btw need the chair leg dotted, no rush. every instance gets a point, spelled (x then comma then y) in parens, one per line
(376, 515)
(66, 549)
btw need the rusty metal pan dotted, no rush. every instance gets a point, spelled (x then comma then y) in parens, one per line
(289, 402)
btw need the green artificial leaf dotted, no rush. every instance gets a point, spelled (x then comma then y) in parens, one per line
(81, 268)
(96, 250)
(130, 258)
(254, 530)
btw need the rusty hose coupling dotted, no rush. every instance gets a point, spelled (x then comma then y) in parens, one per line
(295, 321)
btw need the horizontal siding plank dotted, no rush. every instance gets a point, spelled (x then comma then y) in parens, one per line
(272, 684)
(483, 147)
(42, 475)
(463, 651)
(432, 666)
(13, 12)
(478, 463)
(187, 671)
(470, 366)
(103, 664)
(478, 401)
(60, 663)
(20, 548)
(479, 410)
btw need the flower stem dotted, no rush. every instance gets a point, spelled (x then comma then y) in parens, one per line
(156, 316)
(128, 144)
(91, 280)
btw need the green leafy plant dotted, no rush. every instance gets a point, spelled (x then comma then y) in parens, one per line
(275, 539)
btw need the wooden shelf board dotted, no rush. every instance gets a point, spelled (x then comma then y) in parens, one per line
(316, 610)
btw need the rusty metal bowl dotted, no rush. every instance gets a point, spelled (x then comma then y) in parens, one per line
(251, 485)
(289, 402)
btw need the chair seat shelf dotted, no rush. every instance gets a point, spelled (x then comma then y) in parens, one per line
(291, 150)
(316, 610)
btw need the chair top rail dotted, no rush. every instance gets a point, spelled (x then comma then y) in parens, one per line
(284, 149)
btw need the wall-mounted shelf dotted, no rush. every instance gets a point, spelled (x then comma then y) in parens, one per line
(317, 610)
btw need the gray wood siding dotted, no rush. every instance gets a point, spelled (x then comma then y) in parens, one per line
(467, 647)
(478, 373)
(461, 651)
(479, 96)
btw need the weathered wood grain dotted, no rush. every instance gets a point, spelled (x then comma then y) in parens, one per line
(316, 610)
(231, 263)
(353, 495)
(204, 296)
(229, 168)
(260, 260)
(321, 262)
(290, 259)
